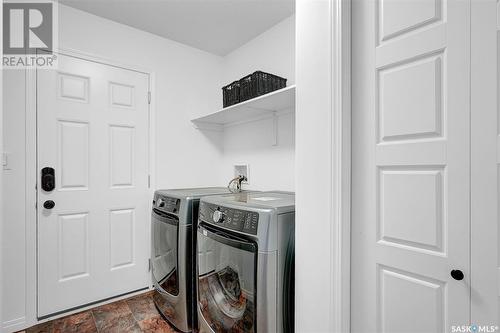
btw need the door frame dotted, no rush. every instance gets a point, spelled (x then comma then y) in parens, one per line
(1, 174)
(485, 157)
(341, 162)
(328, 110)
(32, 173)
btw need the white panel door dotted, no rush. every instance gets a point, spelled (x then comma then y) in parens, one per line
(410, 165)
(93, 130)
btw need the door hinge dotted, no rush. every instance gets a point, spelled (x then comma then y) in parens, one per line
(149, 265)
(149, 97)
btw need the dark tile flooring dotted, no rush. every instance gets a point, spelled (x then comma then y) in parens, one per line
(135, 314)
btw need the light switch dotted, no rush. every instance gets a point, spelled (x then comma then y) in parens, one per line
(5, 160)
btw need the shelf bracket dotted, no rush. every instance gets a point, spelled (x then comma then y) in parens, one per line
(275, 128)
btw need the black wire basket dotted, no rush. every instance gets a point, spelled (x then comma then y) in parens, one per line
(231, 94)
(256, 84)
(259, 83)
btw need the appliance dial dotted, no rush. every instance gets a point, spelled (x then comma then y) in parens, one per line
(217, 216)
(160, 203)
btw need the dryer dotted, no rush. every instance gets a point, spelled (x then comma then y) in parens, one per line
(174, 217)
(246, 262)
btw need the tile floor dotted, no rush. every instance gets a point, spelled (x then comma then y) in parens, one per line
(135, 314)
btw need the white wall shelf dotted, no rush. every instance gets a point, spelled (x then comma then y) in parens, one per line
(265, 106)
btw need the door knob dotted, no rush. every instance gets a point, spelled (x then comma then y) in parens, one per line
(49, 204)
(457, 274)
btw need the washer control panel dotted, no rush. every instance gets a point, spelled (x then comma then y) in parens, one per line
(167, 204)
(235, 219)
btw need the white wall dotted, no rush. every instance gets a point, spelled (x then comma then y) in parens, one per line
(13, 244)
(273, 51)
(271, 167)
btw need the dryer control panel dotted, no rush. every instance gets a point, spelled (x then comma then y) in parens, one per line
(235, 219)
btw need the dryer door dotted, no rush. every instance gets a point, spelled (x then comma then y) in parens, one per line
(226, 280)
(164, 259)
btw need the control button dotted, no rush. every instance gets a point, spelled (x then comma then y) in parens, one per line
(160, 203)
(217, 216)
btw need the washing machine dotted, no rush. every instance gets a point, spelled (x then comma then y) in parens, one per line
(174, 220)
(245, 266)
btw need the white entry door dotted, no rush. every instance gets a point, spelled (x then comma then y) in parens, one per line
(93, 132)
(410, 165)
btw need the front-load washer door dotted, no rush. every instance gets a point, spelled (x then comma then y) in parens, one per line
(226, 281)
(165, 240)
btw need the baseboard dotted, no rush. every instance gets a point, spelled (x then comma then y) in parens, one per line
(14, 325)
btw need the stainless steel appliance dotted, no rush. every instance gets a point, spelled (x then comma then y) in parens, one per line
(174, 217)
(245, 262)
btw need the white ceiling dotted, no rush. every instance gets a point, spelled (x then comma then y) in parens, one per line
(216, 26)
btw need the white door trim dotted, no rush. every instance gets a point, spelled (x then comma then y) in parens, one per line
(484, 168)
(323, 157)
(341, 164)
(32, 172)
(1, 152)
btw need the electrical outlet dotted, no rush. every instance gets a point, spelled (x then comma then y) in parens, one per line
(242, 170)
